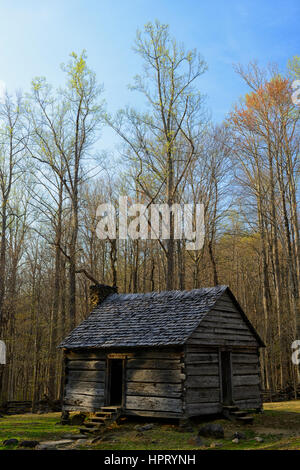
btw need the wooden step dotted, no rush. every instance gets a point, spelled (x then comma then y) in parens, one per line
(239, 414)
(230, 408)
(108, 414)
(99, 419)
(111, 408)
(245, 419)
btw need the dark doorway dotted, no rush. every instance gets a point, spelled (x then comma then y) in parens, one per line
(115, 381)
(226, 377)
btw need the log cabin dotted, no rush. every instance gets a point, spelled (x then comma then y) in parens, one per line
(163, 354)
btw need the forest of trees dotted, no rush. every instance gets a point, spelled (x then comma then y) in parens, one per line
(52, 179)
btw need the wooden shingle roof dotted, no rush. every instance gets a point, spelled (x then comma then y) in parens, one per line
(152, 319)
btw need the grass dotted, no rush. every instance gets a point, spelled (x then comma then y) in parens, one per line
(279, 426)
(33, 427)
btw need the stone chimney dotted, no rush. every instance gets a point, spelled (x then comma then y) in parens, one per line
(99, 292)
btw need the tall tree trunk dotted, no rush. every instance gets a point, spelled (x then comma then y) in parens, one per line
(170, 242)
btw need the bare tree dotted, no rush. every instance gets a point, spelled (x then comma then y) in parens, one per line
(161, 142)
(65, 128)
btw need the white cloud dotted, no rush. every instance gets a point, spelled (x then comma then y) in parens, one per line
(2, 90)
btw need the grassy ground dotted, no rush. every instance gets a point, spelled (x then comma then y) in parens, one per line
(33, 427)
(279, 426)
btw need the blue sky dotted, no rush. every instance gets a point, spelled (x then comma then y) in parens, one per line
(37, 36)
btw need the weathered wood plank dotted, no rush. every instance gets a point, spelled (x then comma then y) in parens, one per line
(196, 395)
(245, 369)
(154, 403)
(153, 414)
(245, 380)
(154, 389)
(87, 408)
(225, 315)
(92, 391)
(225, 307)
(83, 400)
(221, 341)
(197, 409)
(152, 375)
(209, 349)
(86, 365)
(153, 364)
(86, 376)
(168, 354)
(201, 358)
(246, 392)
(85, 355)
(233, 331)
(244, 358)
(200, 363)
(215, 321)
(202, 382)
(210, 369)
(84, 385)
(249, 404)
(203, 335)
(228, 334)
(84, 396)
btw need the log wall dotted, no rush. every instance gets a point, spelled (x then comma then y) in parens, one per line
(154, 383)
(202, 384)
(85, 380)
(247, 391)
(153, 387)
(223, 328)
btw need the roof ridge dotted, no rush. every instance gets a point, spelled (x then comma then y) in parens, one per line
(165, 293)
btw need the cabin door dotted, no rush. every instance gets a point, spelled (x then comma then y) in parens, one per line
(116, 380)
(226, 377)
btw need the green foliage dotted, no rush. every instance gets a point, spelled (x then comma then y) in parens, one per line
(78, 73)
(294, 67)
